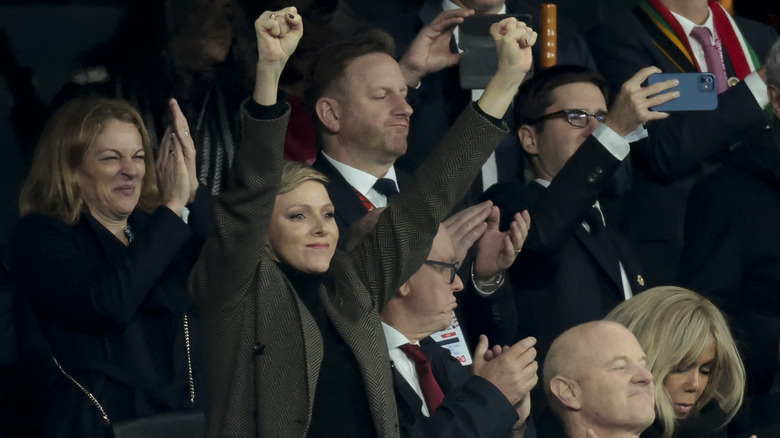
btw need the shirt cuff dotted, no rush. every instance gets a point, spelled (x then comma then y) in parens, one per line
(613, 142)
(758, 88)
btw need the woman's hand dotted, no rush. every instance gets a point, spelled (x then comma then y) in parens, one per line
(513, 43)
(172, 175)
(181, 131)
(278, 34)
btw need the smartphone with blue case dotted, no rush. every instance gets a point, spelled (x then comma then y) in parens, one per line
(698, 91)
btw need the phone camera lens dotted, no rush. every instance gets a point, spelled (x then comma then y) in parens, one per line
(708, 80)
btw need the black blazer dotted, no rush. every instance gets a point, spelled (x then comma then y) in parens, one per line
(561, 278)
(472, 406)
(731, 252)
(349, 208)
(112, 314)
(669, 161)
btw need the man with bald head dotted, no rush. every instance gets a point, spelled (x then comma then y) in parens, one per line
(597, 382)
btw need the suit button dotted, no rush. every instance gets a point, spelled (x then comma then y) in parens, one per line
(258, 349)
(597, 172)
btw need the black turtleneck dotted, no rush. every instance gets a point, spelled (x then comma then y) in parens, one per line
(340, 402)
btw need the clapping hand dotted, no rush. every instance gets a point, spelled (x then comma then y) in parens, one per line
(176, 173)
(496, 250)
(466, 227)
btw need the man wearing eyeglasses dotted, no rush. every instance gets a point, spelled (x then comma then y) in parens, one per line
(436, 396)
(574, 267)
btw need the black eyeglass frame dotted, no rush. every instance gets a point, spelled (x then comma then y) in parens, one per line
(452, 266)
(566, 114)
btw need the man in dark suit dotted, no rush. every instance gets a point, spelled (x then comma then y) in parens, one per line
(360, 142)
(574, 267)
(438, 98)
(435, 394)
(731, 251)
(680, 149)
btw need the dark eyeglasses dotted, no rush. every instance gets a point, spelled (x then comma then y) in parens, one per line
(453, 267)
(576, 117)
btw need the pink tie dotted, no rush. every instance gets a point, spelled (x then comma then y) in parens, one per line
(431, 391)
(711, 56)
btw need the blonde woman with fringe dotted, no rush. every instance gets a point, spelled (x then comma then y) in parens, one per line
(698, 373)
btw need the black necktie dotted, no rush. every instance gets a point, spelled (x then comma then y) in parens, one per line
(594, 220)
(386, 187)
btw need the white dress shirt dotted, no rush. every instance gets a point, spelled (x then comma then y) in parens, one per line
(364, 182)
(401, 361)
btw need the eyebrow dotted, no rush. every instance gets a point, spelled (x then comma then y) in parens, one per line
(309, 206)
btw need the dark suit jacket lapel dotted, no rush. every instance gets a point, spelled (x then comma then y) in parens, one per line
(409, 403)
(349, 207)
(630, 264)
(609, 265)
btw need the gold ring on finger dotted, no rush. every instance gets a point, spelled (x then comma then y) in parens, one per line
(273, 15)
(518, 251)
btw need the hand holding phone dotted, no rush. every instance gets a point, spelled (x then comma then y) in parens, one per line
(698, 91)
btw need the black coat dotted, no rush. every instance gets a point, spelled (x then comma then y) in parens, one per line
(113, 314)
(562, 278)
(731, 252)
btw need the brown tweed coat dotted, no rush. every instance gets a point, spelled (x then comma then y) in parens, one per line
(262, 347)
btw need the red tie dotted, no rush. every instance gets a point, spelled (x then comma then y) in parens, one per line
(431, 390)
(711, 56)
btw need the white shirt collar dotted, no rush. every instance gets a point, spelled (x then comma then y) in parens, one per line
(688, 25)
(542, 182)
(361, 181)
(394, 338)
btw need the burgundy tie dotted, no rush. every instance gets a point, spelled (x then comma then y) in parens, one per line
(431, 390)
(711, 56)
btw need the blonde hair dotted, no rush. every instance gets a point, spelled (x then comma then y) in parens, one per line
(674, 325)
(294, 174)
(51, 187)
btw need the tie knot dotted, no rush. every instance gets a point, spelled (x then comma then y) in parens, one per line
(414, 352)
(702, 35)
(386, 187)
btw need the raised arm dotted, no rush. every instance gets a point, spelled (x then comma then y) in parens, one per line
(403, 235)
(513, 42)
(243, 212)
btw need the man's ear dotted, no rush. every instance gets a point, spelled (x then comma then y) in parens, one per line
(774, 99)
(404, 290)
(567, 391)
(527, 136)
(329, 113)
